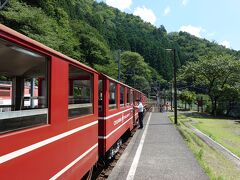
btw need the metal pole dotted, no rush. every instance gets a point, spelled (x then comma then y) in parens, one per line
(171, 96)
(32, 93)
(175, 85)
(119, 65)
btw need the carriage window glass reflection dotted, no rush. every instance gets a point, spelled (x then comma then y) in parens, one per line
(80, 92)
(23, 88)
(112, 95)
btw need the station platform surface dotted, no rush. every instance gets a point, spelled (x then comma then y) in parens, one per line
(157, 151)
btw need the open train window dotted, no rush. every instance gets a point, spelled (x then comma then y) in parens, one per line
(80, 92)
(121, 96)
(128, 97)
(23, 88)
(112, 95)
(100, 95)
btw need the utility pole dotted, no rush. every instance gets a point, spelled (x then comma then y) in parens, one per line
(175, 85)
(171, 96)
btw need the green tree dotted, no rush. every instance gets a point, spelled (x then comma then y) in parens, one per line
(188, 97)
(230, 97)
(135, 71)
(215, 73)
(34, 23)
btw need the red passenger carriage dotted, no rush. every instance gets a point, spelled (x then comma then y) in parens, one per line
(57, 136)
(115, 113)
(59, 125)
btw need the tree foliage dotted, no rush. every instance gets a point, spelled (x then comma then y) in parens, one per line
(188, 97)
(193, 48)
(135, 71)
(218, 74)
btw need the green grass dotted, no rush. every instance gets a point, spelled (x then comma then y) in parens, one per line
(224, 131)
(216, 166)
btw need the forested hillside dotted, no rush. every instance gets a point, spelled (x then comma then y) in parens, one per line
(93, 33)
(194, 48)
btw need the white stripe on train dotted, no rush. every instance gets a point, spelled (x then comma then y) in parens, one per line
(108, 117)
(73, 163)
(105, 137)
(32, 147)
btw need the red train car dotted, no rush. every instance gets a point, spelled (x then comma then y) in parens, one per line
(61, 115)
(59, 135)
(115, 113)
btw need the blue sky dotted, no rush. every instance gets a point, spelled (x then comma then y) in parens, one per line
(215, 20)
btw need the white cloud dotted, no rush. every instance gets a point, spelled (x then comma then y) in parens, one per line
(184, 2)
(210, 34)
(167, 11)
(146, 14)
(120, 4)
(196, 31)
(225, 43)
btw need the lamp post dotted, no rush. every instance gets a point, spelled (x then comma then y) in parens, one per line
(174, 83)
(171, 87)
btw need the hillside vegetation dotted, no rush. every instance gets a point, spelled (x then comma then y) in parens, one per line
(93, 33)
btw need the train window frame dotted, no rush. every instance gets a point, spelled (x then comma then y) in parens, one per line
(24, 111)
(89, 107)
(122, 96)
(112, 106)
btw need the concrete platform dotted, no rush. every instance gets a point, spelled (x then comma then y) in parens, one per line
(157, 152)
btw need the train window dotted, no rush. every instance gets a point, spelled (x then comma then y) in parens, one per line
(23, 88)
(128, 97)
(131, 97)
(80, 92)
(112, 95)
(139, 96)
(100, 95)
(121, 96)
